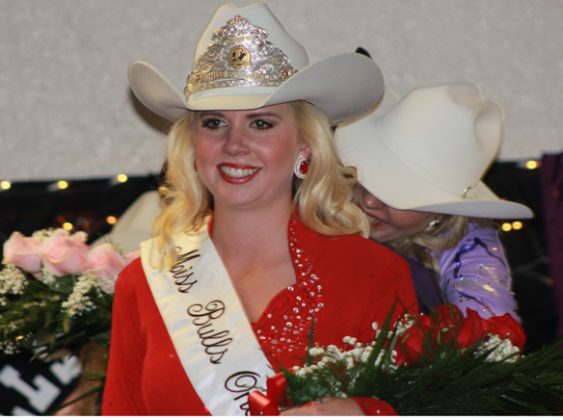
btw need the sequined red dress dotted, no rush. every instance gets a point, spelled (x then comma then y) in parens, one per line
(345, 282)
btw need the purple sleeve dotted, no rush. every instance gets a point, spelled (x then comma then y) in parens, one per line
(475, 274)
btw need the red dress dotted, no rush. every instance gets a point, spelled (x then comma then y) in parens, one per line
(345, 282)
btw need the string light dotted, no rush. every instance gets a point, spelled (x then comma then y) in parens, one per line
(62, 184)
(5, 185)
(68, 226)
(506, 227)
(121, 178)
(111, 220)
(532, 164)
(517, 225)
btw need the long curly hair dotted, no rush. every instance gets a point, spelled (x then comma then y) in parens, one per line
(323, 198)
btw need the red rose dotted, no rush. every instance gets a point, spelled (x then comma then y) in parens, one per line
(471, 330)
(505, 327)
(448, 320)
(411, 344)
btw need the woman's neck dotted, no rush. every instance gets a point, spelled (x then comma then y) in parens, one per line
(251, 236)
(254, 248)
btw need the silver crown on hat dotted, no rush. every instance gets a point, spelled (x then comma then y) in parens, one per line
(239, 56)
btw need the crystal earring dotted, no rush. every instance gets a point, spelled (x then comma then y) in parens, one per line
(301, 167)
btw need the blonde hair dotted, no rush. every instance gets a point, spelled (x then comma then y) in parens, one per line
(323, 198)
(426, 245)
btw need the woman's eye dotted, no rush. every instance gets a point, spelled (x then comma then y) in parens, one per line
(212, 123)
(261, 124)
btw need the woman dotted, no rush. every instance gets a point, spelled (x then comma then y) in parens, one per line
(257, 245)
(420, 168)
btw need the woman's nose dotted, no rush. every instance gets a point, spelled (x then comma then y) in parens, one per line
(235, 141)
(371, 201)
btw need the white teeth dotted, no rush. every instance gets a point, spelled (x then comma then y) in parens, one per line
(237, 172)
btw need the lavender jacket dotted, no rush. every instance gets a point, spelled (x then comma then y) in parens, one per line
(475, 274)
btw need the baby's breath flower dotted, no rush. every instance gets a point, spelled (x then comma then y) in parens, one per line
(502, 349)
(316, 351)
(106, 284)
(79, 301)
(350, 340)
(47, 277)
(9, 347)
(42, 235)
(12, 280)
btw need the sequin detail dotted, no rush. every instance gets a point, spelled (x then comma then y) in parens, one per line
(475, 242)
(286, 326)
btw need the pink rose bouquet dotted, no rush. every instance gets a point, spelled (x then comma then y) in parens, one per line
(437, 364)
(56, 291)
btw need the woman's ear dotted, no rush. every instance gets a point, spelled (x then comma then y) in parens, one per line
(305, 151)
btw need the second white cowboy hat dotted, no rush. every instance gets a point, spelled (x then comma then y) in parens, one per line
(245, 59)
(430, 151)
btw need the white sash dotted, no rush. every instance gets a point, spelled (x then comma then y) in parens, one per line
(207, 324)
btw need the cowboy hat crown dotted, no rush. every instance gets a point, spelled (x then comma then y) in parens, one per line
(245, 59)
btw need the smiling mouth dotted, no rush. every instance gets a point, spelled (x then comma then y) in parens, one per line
(237, 173)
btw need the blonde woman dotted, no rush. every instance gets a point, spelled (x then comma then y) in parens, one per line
(258, 244)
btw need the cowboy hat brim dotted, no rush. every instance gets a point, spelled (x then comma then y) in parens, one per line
(342, 86)
(383, 173)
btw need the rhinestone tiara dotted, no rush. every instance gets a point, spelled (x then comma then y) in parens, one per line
(239, 55)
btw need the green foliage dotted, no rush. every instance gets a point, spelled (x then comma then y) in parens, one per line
(36, 320)
(445, 380)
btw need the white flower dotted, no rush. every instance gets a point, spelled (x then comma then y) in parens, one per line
(350, 340)
(106, 284)
(8, 347)
(12, 281)
(79, 302)
(404, 324)
(316, 351)
(502, 349)
(46, 276)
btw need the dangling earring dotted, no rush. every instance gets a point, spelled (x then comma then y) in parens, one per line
(435, 222)
(301, 167)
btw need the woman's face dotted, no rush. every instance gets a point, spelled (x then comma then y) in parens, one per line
(386, 223)
(246, 158)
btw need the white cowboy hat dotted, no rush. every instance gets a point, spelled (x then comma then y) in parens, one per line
(245, 59)
(430, 151)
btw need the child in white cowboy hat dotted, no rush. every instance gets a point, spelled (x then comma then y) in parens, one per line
(257, 239)
(419, 169)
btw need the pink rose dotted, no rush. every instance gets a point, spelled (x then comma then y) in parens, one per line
(63, 254)
(23, 252)
(105, 261)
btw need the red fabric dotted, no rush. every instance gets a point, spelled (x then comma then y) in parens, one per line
(360, 281)
(374, 407)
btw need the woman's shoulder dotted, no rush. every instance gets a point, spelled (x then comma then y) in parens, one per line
(486, 233)
(359, 248)
(130, 277)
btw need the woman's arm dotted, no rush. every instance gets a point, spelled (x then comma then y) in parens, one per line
(123, 391)
(475, 274)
